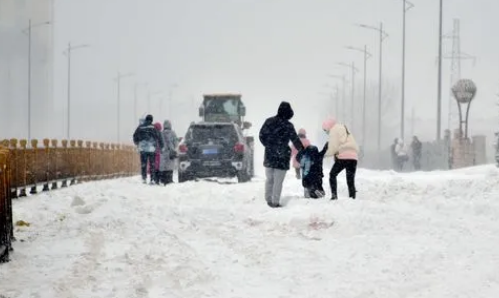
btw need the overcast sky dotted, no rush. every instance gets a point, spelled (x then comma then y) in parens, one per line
(268, 50)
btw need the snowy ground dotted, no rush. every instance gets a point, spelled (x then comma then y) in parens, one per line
(408, 235)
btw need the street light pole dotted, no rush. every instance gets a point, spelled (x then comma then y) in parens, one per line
(29, 81)
(439, 88)
(382, 36)
(343, 105)
(118, 80)
(353, 69)
(367, 55)
(170, 99)
(135, 100)
(405, 7)
(29, 30)
(68, 53)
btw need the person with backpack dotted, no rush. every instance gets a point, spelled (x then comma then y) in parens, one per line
(147, 139)
(344, 148)
(275, 135)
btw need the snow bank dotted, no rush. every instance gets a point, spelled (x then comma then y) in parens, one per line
(408, 235)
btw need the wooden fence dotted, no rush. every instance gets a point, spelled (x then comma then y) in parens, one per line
(28, 169)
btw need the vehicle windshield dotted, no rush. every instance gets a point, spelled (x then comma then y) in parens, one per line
(214, 133)
(222, 109)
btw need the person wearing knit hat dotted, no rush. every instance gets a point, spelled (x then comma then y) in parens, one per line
(344, 148)
(302, 134)
(275, 135)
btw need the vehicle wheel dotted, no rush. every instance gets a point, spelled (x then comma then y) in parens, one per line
(243, 176)
(183, 177)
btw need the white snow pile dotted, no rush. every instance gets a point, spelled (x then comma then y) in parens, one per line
(407, 235)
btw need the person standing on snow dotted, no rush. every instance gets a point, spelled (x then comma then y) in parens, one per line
(312, 173)
(416, 147)
(167, 164)
(344, 148)
(275, 135)
(147, 138)
(302, 134)
(157, 155)
(401, 152)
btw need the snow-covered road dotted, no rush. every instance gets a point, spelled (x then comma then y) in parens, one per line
(408, 235)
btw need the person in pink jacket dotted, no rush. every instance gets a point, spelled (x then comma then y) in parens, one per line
(302, 134)
(344, 148)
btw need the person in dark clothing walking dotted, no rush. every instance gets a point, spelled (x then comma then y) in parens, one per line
(312, 173)
(416, 147)
(275, 135)
(146, 137)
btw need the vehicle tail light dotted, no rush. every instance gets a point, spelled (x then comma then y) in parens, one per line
(239, 148)
(182, 148)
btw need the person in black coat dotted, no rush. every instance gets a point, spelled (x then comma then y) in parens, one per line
(275, 135)
(146, 137)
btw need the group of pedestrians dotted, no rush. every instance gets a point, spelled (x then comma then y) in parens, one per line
(400, 154)
(157, 146)
(275, 135)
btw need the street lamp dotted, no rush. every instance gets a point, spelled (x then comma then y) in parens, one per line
(28, 32)
(382, 36)
(68, 53)
(149, 95)
(439, 87)
(336, 97)
(343, 79)
(170, 98)
(406, 6)
(352, 106)
(118, 80)
(367, 55)
(135, 99)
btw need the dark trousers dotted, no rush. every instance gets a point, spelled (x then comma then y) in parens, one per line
(165, 177)
(147, 157)
(416, 160)
(350, 165)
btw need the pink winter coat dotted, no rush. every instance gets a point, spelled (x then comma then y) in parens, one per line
(305, 142)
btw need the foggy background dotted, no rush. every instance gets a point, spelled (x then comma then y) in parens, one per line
(267, 50)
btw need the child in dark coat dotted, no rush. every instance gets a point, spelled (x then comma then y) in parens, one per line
(311, 166)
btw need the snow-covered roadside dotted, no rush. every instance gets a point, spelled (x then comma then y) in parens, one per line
(408, 235)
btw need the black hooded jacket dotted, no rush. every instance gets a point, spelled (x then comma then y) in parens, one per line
(275, 135)
(146, 137)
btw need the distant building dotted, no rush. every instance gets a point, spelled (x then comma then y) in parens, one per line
(14, 19)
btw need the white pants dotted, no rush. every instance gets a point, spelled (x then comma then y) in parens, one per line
(273, 185)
